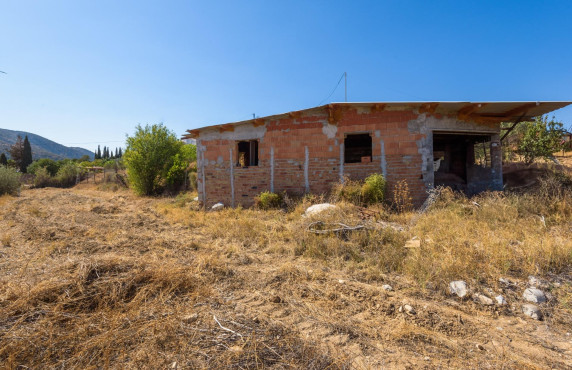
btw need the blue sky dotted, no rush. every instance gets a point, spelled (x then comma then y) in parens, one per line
(86, 72)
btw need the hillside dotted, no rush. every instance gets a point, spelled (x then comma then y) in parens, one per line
(41, 147)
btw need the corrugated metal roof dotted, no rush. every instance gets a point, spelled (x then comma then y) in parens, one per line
(486, 112)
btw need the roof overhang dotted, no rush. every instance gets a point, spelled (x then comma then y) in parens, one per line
(478, 112)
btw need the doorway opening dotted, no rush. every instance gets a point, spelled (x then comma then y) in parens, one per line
(462, 161)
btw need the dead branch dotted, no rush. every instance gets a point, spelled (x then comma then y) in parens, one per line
(227, 329)
(341, 228)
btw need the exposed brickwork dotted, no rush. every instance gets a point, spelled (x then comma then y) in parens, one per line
(289, 137)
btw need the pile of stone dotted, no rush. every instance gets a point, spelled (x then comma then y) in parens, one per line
(531, 294)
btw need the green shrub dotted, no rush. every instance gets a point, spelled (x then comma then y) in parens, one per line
(361, 193)
(49, 164)
(373, 190)
(149, 156)
(67, 175)
(541, 138)
(42, 177)
(9, 181)
(176, 175)
(268, 200)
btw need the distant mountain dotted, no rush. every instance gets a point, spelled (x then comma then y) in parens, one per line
(41, 147)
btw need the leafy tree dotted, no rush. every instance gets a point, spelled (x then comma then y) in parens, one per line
(149, 155)
(98, 153)
(540, 138)
(26, 155)
(17, 151)
(3, 160)
(181, 162)
(49, 164)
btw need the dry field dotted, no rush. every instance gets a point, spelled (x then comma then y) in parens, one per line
(103, 279)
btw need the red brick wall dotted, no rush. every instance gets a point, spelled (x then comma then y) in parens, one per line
(290, 136)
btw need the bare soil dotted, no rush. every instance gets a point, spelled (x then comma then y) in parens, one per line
(92, 279)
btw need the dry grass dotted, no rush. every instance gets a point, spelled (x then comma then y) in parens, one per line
(493, 235)
(96, 279)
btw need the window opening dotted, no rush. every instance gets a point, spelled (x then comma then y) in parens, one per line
(247, 153)
(357, 148)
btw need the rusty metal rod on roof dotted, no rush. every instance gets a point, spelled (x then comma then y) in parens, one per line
(519, 119)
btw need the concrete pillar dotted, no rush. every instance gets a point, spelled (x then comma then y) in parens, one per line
(383, 160)
(306, 165)
(272, 169)
(341, 162)
(231, 163)
(496, 163)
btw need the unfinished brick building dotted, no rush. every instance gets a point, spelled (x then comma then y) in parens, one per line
(454, 144)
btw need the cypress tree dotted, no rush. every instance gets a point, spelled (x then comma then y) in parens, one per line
(3, 160)
(98, 153)
(26, 156)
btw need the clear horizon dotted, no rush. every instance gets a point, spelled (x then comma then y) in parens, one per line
(83, 73)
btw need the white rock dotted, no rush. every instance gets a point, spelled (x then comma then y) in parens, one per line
(532, 311)
(319, 208)
(482, 299)
(458, 287)
(387, 287)
(506, 281)
(217, 207)
(407, 309)
(500, 300)
(534, 295)
(341, 281)
(196, 199)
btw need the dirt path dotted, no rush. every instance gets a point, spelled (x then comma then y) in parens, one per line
(273, 310)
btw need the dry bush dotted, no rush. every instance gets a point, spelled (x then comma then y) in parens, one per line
(402, 200)
(9, 181)
(491, 235)
(42, 178)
